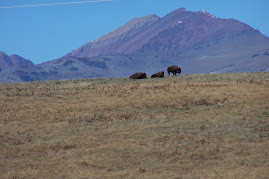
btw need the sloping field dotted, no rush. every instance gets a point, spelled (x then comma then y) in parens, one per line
(189, 126)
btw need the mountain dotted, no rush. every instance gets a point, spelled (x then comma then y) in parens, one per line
(116, 41)
(198, 42)
(7, 62)
(179, 32)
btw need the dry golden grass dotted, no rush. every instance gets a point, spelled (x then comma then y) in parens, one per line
(189, 126)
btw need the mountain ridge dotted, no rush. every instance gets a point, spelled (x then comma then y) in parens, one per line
(176, 21)
(120, 35)
(198, 42)
(9, 61)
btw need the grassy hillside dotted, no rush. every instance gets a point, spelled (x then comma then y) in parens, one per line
(189, 126)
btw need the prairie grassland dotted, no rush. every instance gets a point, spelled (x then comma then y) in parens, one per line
(189, 126)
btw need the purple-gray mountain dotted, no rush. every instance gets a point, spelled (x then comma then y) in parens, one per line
(198, 42)
(7, 62)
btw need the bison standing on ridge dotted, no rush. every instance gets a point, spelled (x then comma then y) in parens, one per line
(158, 75)
(173, 69)
(138, 76)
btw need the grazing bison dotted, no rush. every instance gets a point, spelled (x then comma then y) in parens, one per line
(158, 75)
(138, 76)
(173, 69)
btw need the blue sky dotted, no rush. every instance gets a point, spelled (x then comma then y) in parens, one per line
(45, 33)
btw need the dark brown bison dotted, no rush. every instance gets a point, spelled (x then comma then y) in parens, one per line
(158, 75)
(138, 76)
(173, 69)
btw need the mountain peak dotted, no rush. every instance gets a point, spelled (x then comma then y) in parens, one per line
(2, 53)
(180, 10)
(144, 18)
(178, 32)
(109, 42)
(7, 62)
(177, 13)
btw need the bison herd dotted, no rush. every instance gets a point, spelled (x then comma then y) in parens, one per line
(172, 69)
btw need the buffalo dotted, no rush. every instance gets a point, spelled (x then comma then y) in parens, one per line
(138, 76)
(173, 69)
(158, 75)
